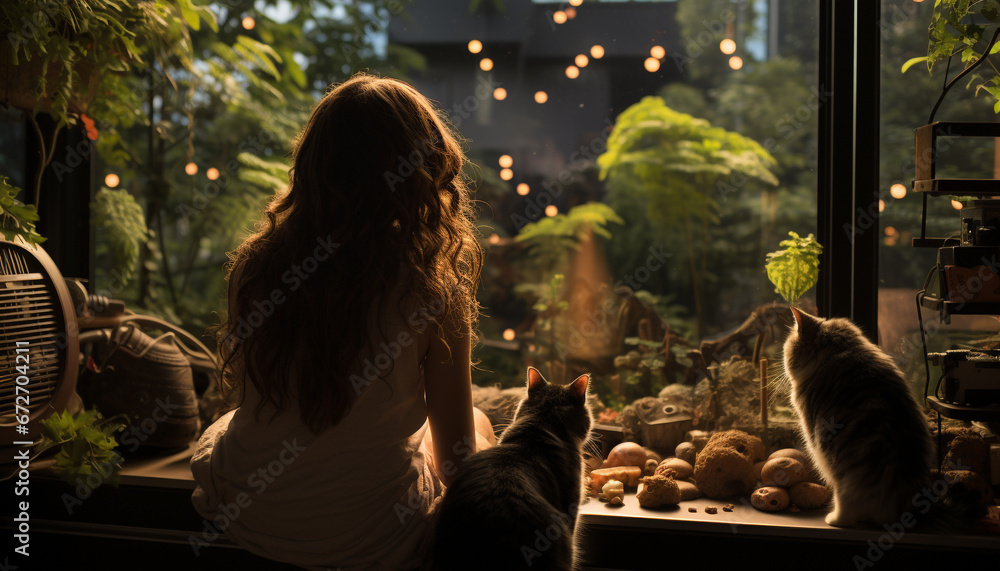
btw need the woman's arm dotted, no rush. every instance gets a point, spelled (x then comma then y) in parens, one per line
(448, 388)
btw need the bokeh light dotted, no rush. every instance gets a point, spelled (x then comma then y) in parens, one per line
(581, 60)
(657, 51)
(736, 62)
(727, 46)
(597, 51)
(506, 174)
(541, 97)
(212, 173)
(486, 64)
(508, 334)
(575, 2)
(494, 238)
(191, 169)
(523, 189)
(249, 23)
(551, 210)
(500, 94)
(572, 72)
(475, 46)
(111, 180)
(506, 161)
(897, 191)
(956, 205)
(570, 13)
(652, 64)
(881, 206)
(559, 17)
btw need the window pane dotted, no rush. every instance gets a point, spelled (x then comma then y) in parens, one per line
(907, 101)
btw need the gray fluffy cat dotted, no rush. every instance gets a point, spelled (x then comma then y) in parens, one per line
(862, 426)
(514, 506)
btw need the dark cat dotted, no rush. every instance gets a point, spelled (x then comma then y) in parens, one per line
(514, 506)
(863, 428)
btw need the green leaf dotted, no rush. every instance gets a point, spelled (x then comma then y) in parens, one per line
(794, 270)
(913, 61)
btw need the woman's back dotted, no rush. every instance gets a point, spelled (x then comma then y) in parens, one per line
(334, 499)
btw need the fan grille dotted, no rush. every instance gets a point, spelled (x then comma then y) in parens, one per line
(29, 315)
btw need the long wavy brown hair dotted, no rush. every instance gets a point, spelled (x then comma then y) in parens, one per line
(376, 200)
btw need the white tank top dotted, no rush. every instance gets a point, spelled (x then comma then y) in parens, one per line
(360, 495)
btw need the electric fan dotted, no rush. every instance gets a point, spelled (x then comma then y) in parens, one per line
(39, 341)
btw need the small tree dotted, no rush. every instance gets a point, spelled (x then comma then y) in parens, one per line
(679, 168)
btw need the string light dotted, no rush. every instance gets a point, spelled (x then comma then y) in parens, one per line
(111, 180)
(191, 169)
(581, 60)
(523, 189)
(475, 46)
(572, 72)
(652, 64)
(897, 191)
(736, 62)
(500, 94)
(212, 173)
(506, 161)
(506, 174)
(658, 52)
(597, 51)
(486, 64)
(541, 97)
(727, 46)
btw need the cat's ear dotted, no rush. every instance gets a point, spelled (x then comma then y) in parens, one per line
(535, 379)
(579, 386)
(804, 321)
(798, 318)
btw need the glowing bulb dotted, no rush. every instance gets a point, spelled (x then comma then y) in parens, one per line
(506, 174)
(736, 62)
(523, 189)
(956, 205)
(596, 51)
(581, 60)
(727, 46)
(212, 173)
(572, 72)
(486, 64)
(249, 23)
(508, 334)
(506, 161)
(570, 13)
(494, 238)
(881, 206)
(559, 17)
(551, 210)
(475, 46)
(575, 2)
(191, 169)
(897, 191)
(111, 180)
(652, 64)
(541, 97)
(500, 94)
(658, 52)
